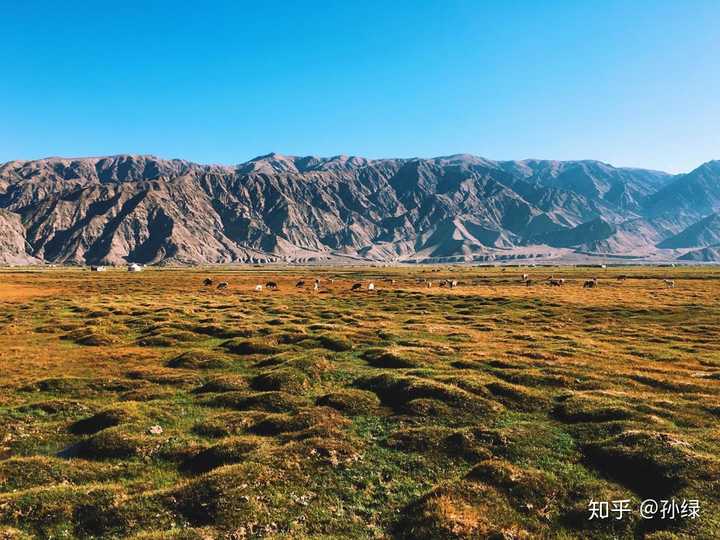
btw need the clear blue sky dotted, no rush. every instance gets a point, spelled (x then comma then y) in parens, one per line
(633, 82)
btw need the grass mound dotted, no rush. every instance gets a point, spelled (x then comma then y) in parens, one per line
(227, 424)
(313, 421)
(104, 419)
(335, 342)
(286, 379)
(264, 401)
(350, 401)
(651, 463)
(518, 397)
(246, 347)
(22, 473)
(150, 392)
(119, 442)
(223, 383)
(397, 390)
(588, 408)
(54, 407)
(199, 359)
(388, 358)
(158, 340)
(453, 442)
(80, 386)
(227, 495)
(230, 450)
(166, 377)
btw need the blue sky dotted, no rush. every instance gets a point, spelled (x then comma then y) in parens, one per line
(633, 83)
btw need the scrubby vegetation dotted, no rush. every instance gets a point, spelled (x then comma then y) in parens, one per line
(148, 406)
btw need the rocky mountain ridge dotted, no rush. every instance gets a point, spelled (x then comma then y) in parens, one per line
(119, 209)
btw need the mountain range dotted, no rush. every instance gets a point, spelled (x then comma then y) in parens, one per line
(277, 208)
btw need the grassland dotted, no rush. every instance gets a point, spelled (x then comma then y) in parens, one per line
(148, 406)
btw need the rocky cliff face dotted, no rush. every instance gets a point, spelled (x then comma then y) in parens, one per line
(118, 209)
(13, 246)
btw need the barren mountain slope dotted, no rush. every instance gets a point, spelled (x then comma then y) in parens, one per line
(274, 207)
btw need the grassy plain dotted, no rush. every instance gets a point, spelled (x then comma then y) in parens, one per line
(149, 406)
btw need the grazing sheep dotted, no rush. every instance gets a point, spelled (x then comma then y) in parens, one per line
(669, 283)
(271, 285)
(371, 286)
(300, 283)
(556, 282)
(207, 282)
(356, 287)
(223, 285)
(258, 287)
(316, 286)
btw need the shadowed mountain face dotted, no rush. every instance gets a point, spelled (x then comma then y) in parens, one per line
(144, 209)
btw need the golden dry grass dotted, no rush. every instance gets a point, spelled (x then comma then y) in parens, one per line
(490, 409)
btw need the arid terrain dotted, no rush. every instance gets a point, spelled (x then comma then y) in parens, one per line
(149, 405)
(349, 210)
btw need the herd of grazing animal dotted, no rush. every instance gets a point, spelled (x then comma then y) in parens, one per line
(449, 283)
